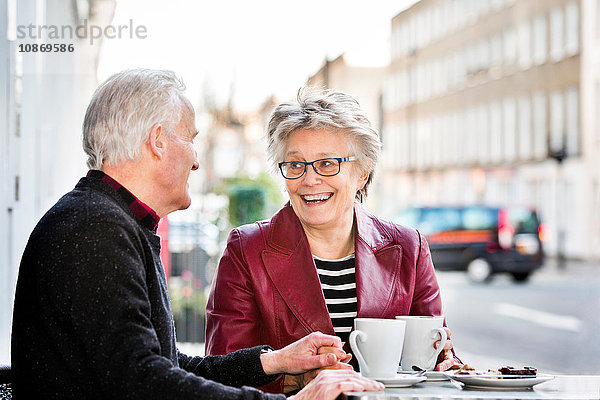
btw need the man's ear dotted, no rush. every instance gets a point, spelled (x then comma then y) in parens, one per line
(157, 141)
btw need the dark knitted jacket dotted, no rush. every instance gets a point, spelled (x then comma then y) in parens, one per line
(92, 318)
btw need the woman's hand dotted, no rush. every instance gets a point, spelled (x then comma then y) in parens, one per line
(329, 384)
(302, 355)
(446, 359)
(296, 382)
(324, 349)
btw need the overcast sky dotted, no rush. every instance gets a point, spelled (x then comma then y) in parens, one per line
(263, 47)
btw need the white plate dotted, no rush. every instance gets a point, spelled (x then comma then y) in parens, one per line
(432, 376)
(400, 380)
(499, 381)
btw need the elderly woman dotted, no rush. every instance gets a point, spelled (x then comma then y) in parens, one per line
(322, 260)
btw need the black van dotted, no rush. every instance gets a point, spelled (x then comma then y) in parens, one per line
(481, 240)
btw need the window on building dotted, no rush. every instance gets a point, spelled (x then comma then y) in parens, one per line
(420, 82)
(459, 66)
(412, 35)
(510, 46)
(404, 88)
(572, 121)
(572, 28)
(525, 128)
(396, 42)
(524, 46)
(509, 114)
(472, 59)
(387, 148)
(557, 33)
(495, 132)
(540, 125)
(436, 142)
(413, 145)
(458, 128)
(596, 104)
(412, 82)
(484, 54)
(433, 78)
(436, 23)
(389, 151)
(423, 149)
(420, 39)
(557, 121)
(470, 144)
(540, 39)
(483, 135)
(403, 146)
(598, 19)
(496, 50)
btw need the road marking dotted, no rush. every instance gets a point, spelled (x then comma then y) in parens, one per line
(556, 321)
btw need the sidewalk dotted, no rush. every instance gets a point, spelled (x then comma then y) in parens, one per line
(570, 268)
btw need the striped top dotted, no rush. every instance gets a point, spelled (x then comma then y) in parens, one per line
(338, 282)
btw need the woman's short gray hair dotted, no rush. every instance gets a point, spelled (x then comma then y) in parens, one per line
(124, 109)
(333, 111)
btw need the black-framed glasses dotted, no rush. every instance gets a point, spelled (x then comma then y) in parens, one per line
(324, 167)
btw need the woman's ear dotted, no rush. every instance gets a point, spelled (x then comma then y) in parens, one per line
(363, 178)
(156, 141)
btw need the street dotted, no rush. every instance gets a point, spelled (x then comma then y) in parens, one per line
(550, 322)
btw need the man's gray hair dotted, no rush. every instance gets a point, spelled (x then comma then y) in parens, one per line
(333, 111)
(124, 109)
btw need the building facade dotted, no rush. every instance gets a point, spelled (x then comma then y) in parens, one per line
(496, 102)
(43, 98)
(364, 83)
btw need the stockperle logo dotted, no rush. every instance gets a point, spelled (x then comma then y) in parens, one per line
(82, 31)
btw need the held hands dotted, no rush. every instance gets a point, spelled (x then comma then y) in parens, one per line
(446, 359)
(295, 382)
(303, 355)
(317, 355)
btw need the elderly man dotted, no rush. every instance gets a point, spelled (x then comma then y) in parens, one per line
(92, 317)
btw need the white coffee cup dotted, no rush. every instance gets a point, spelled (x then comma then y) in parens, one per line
(421, 333)
(377, 345)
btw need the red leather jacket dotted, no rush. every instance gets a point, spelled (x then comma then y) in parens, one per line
(267, 291)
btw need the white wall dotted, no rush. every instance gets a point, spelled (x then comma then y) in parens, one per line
(41, 145)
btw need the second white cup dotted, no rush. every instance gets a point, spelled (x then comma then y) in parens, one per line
(421, 333)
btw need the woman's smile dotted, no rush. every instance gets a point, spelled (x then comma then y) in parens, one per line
(316, 199)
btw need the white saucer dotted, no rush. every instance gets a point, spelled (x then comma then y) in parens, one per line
(487, 381)
(432, 376)
(400, 380)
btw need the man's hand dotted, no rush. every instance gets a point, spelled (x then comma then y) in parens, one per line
(446, 358)
(329, 384)
(302, 355)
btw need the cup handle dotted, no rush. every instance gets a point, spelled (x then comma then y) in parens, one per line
(362, 336)
(443, 340)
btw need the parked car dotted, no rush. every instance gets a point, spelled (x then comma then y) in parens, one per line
(480, 240)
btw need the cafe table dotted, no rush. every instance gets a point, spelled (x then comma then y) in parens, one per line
(565, 387)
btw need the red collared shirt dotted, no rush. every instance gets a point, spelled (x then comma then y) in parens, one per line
(143, 213)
